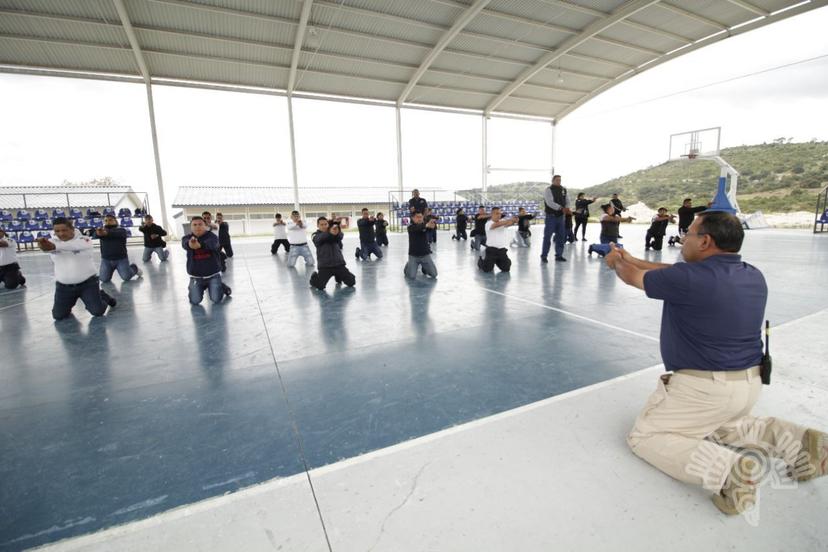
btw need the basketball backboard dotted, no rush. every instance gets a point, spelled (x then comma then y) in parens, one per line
(703, 142)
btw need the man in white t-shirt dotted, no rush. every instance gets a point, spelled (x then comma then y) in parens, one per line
(76, 276)
(297, 236)
(498, 238)
(279, 235)
(10, 273)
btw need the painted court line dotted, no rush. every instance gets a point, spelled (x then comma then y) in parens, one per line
(573, 315)
(208, 504)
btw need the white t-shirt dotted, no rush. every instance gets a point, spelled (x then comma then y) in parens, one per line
(8, 255)
(73, 259)
(499, 238)
(280, 231)
(296, 234)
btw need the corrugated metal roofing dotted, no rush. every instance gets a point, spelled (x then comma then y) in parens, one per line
(203, 196)
(507, 56)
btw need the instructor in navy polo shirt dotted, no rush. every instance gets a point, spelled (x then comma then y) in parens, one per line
(697, 425)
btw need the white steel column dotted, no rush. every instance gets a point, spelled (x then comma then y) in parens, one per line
(399, 154)
(159, 179)
(485, 167)
(552, 153)
(293, 153)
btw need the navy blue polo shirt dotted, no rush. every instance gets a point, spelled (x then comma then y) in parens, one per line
(713, 313)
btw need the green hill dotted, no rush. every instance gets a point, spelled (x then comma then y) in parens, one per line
(775, 178)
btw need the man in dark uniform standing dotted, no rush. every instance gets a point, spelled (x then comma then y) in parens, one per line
(697, 425)
(556, 205)
(417, 204)
(685, 217)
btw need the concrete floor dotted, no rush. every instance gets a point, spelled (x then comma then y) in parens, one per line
(161, 405)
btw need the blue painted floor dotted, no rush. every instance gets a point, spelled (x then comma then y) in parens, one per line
(160, 404)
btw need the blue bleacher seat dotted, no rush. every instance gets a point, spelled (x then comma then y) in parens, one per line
(124, 212)
(126, 222)
(82, 223)
(129, 233)
(93, 212)
(58, 213)
(32, 225)
(44, 234)
(6, 216)
(75, 213)
(25, 237)
(23, 215)
(139, 212)
(46, 224)
(108, 211)
(16, 226)
(96, 222)
(41, 214)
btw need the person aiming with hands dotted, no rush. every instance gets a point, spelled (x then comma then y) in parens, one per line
(279, 235)
(224, 236)
(153, 240)
(327, 240)
(10, 273)
(382, 230)
(367, 237)
(75, 274)
(556, 206)
(696, 423)
(657, 230)
(498, 238)
(582, 214)
(203, 263)
(478, 233)
(419, 251)
(114, 252)
(461, 221)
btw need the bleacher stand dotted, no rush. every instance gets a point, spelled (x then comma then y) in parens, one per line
(33, 225)
(107, 211)
(58, 213)
(75, 213)
(25, 237)
(96, 222)
(44, 234)
(124, 212)
(82, 223)
(41, 214)
(23, 215)
(46, 224)
(16, 226)
(6, 216)
(446, 210)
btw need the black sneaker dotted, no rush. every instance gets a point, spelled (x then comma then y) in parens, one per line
(544, 259)
(357, 253)
(590, 250)
(583, 239)
(559, 259)
(138, 272)
(109, 300)
(227, 290)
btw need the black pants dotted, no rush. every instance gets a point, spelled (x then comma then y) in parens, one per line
(275, 247)
(656, 241)
(382, 239)
(11, 276)
(580, 223)
(495, 257)
(320, 278)
(461, 234)
(431, 235)
(227, 248)
(89, 291)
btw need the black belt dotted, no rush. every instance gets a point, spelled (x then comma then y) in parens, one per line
(91, 278)
(297, 244)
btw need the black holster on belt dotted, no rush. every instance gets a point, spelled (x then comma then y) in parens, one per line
(766, 365)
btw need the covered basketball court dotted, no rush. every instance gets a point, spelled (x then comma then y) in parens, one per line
(476, 412)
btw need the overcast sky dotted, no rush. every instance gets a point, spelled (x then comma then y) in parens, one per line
(55, 129)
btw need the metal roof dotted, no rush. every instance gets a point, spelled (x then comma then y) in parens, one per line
(538, 58)
(51, 197)
(202, 196)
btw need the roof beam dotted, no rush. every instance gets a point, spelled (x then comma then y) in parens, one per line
(133, 40)
(297, 45)
(694, 16)
(626, 10)
(601, 14)
(470, 13)
(750, 7)
(710, 39)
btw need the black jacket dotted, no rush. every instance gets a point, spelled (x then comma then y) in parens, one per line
(618, 206)
(224, 233)
(417, 240)
(153, 229)
(366, 230)
(418, 203)
(113, 245)
(524, 222)
(204, 261)
(328, 249)
(687, 214)
(462, 221)
(480, 225)
(381, 227)
(582, 208)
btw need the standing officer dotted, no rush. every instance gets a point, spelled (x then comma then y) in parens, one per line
(556, 205)
(697, 423)
(417, 204)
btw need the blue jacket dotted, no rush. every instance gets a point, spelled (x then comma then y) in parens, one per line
(203, 262)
